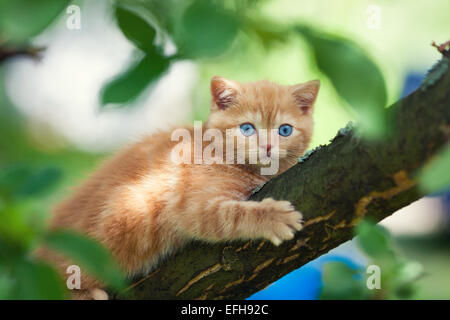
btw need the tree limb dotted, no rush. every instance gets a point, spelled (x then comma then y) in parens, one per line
(8, 53)
(335, 186)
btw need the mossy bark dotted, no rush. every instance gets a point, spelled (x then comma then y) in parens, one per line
(334, 187)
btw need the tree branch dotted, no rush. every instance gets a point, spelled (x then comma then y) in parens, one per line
(335, 186)
(7, 53)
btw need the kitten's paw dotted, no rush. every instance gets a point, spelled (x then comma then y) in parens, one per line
(91, 294)
(282, 220)
(98, 294)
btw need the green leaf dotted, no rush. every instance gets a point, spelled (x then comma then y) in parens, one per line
(355, 77)
(409, 272)
(372, 239)
(342, 282)
(162, 12)
(89, 254)
(267, 32)
(22, 19)
(205, 30)
(24, 181)
(405, 280)
(6, 281)
(129, 85)
(435, 176)
(5, 287)
(375, 242)
(36, 281)
(140, 32)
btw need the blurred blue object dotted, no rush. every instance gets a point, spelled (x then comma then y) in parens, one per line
(305, 283)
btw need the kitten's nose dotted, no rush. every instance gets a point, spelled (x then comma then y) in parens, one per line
(268, 148)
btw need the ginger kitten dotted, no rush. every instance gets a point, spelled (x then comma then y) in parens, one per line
(142, 206)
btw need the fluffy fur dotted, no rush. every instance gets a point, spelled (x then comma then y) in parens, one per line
(142, 206)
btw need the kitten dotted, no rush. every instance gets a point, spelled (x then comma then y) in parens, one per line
(142, 206)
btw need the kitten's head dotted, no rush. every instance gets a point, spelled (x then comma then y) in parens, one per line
(285, 112)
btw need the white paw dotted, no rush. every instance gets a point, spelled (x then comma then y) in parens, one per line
(98, 294)
(282, 221)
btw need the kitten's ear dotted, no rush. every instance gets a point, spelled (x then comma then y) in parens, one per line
(223, 92)
(305, 95)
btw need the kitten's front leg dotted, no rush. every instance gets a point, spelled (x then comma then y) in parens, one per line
(279, 220)
(225, 219)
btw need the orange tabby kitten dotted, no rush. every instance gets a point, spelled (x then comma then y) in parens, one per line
(142, 206)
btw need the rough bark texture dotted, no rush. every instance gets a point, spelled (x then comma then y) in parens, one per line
(334, 187)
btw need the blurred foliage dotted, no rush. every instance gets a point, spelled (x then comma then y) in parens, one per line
(205, 30)
(398, 276)
(127, 86)
(22, 276)
(89, 254)
(149, 66)
(355, 77)
(140, 32)
(28, 177)
(22, 19)
(433, 252)
(23, 181)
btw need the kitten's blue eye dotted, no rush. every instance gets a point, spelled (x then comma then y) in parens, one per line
(285, 130)
(247, 129)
